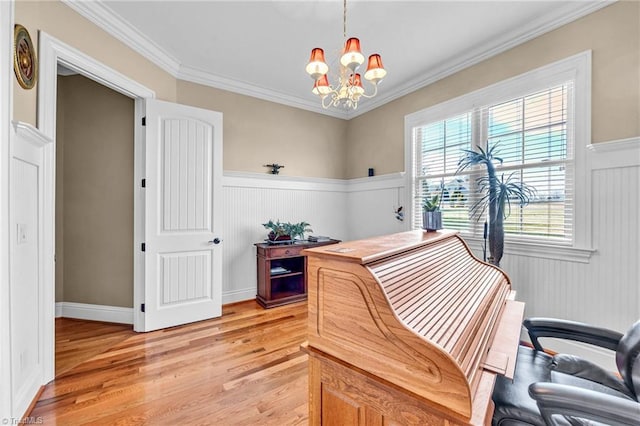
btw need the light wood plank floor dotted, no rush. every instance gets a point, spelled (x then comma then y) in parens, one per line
(245, 368)
(78, 341)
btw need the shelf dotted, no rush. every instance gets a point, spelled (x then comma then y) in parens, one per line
(276, 295)
(290, 274)
(281, 272)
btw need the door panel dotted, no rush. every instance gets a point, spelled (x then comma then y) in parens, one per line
(186, 151)
(183, 279)
(193, 268)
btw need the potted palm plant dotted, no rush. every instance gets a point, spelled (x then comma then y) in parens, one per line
(496, 195)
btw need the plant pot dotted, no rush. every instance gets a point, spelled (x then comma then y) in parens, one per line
(273, 237)
(432, 221)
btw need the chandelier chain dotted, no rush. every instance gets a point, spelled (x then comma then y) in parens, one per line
(344, 20)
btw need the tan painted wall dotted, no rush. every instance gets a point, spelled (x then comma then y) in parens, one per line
(309, 144)
(98, 193)
(376, 139)
(258, 132)
(61, 22)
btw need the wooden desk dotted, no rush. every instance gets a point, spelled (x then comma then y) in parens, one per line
(281, 272)
(407, 328)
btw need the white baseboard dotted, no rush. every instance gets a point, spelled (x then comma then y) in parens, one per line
(238, 295)
(94, 312)
(125, 315)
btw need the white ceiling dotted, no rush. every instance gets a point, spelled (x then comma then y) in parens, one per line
(260, 48)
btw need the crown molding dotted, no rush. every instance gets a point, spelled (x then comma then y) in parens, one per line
(205, 78)
(533, 29)
(113, 24)
(100, 15)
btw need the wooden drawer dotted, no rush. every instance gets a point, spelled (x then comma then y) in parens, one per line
(284, 251)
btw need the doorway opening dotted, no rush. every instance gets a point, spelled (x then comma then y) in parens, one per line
(53, 52)
(94, 216)
(166, 253)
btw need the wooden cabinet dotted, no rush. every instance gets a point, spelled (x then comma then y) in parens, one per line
(281, 272)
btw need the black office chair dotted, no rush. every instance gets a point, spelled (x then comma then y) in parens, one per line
(568, 390)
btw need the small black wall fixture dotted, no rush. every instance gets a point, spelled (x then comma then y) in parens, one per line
(275, 168)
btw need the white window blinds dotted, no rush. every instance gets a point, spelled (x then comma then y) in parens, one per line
(437, 149)
(531, 138)
(533, 135)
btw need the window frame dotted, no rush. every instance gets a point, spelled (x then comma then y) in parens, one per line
(576, 68)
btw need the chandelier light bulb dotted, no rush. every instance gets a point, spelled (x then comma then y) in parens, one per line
(317, 66)
(375, 71)
(321, 87)
(352, 57)
(356, 85)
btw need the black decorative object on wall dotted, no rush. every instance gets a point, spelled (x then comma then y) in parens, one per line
(275, 168)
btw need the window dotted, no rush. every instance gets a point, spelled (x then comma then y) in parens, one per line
(438, 147)
(531, 122)
(530, 135)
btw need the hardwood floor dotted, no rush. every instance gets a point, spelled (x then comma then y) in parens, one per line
(78, 341)
(245, 368)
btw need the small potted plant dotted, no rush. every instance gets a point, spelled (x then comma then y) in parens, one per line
(431, 214)
(286, 231)
(297, 230)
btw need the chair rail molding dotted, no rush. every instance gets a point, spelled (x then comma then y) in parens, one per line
(268, 181)
(615, 153)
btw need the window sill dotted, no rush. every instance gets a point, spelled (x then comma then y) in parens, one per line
(530, 249)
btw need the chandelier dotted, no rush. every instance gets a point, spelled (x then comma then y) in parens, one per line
(348, 90)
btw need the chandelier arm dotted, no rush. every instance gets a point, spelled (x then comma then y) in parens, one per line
(331, 96)
(375, 92)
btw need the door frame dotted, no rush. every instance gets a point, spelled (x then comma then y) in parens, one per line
(6, 114)
(51, 53)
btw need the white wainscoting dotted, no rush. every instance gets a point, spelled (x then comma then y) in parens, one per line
(606, 290)
(252, 199)
(372, 203)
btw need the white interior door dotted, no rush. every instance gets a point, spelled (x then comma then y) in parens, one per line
(183, 254)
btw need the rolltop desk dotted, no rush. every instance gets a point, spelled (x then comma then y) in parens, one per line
(407, 329)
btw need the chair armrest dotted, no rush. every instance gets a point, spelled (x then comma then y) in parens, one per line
(556, 401)
(570, 330)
